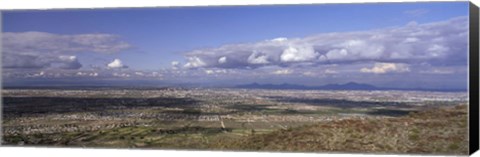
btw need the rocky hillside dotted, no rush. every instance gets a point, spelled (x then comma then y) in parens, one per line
(436, 131)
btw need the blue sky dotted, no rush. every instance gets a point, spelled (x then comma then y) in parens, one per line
(149, 39)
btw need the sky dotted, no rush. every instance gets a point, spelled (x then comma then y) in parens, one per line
(402, 45)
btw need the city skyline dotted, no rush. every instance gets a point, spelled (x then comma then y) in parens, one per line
(401, 45)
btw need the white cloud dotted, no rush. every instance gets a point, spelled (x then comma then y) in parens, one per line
(222, 60)
(281, 39)
(195, 62)
(81, 73)
(381, 68)
(443, 42)
(94, 74)
(209, 71)
(90, 74)
(116, 64)
(283, 72)
(37, 50)
(68, 58)
(156, 74)
(86, 74)
(175, 65)
(298, 54)
(257, 58)
(215, 71)
(330, 71)
(122, 75)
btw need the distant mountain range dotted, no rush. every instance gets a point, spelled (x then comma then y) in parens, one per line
(145, 84)
(346, 86)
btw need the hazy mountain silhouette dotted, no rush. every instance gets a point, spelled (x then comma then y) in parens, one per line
(346, 86)
(349, 86)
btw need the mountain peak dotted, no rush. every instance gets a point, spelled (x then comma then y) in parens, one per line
(352, 83)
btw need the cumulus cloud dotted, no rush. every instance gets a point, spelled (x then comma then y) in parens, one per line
(438, 43)
(175, 64)
(40, 50)
(69, 62)
(215, 71)
(41, 73)
(414, 47)
(222, 60)
(298, 54)
(257, 58)
(124, 75)
(194, 62)
(14, 74)
(381, 68)
(116, 64)
(281, 39)
(89, 74)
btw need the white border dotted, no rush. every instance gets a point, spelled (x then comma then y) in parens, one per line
(58, 4)
(79, 152)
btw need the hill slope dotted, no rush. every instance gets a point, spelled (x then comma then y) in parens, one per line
(439, 131)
